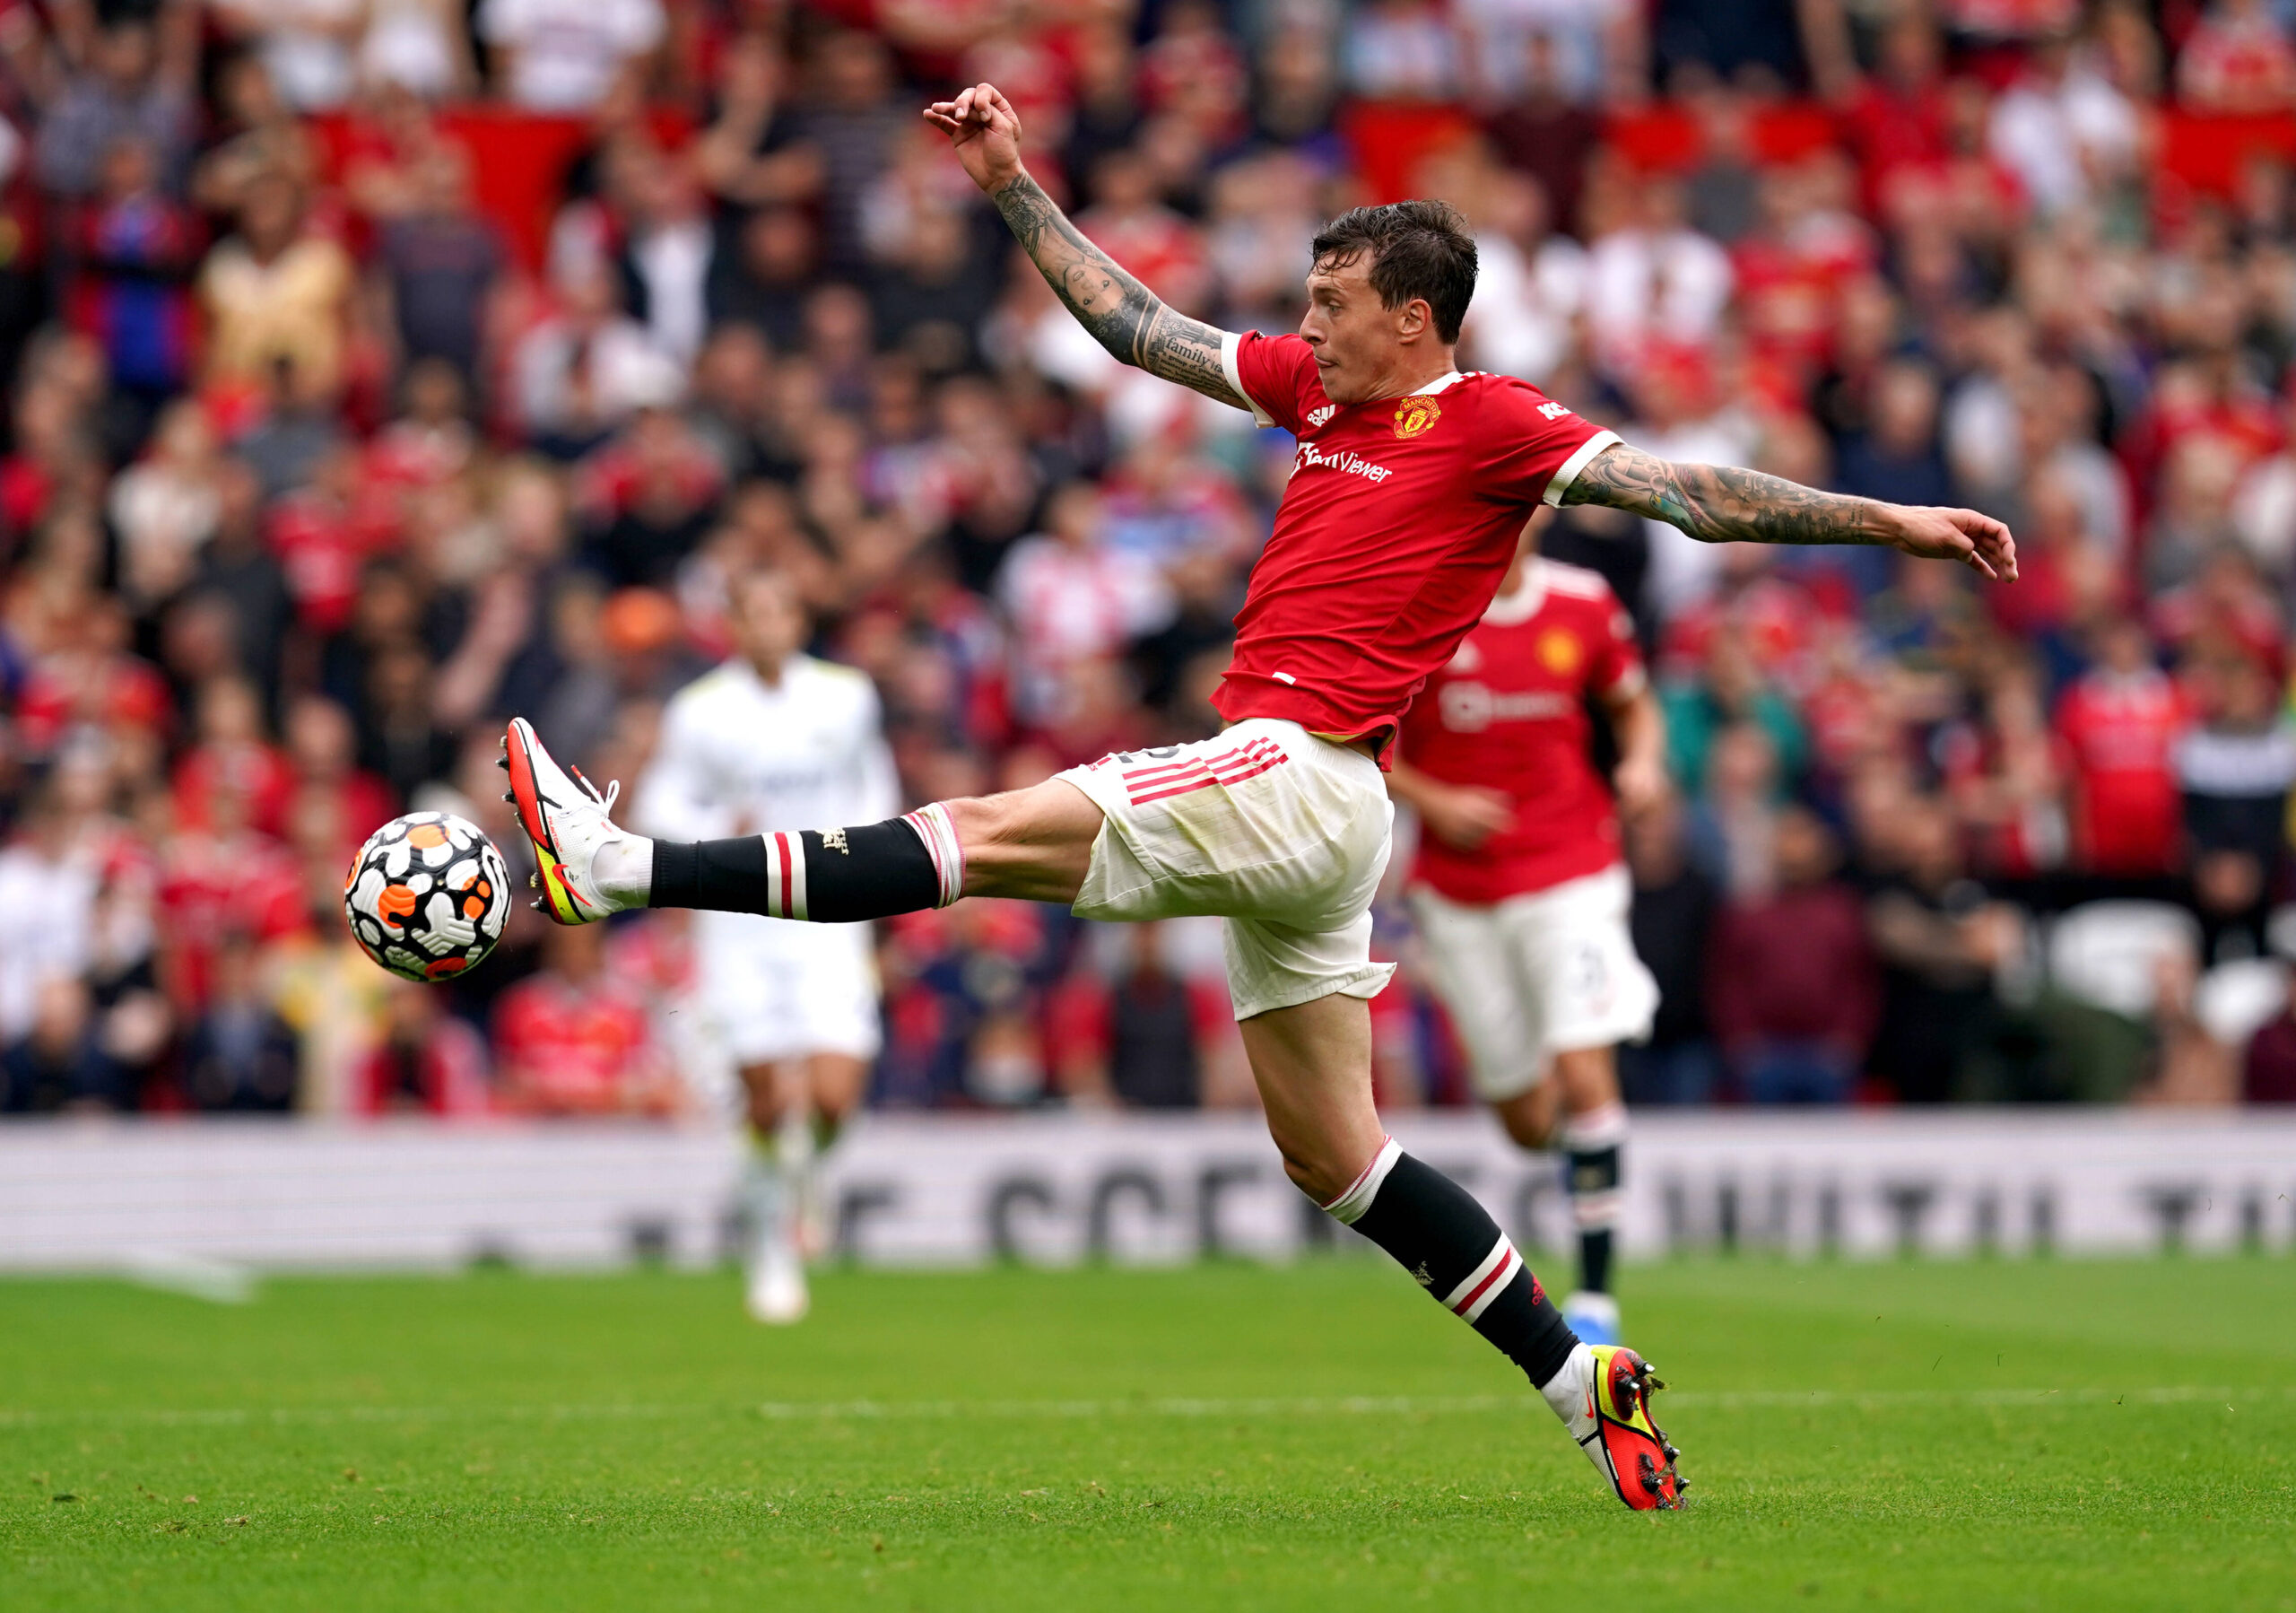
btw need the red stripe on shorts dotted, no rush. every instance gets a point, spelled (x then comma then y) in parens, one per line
(1163, 772)
(1251, 767)
(1188, 764)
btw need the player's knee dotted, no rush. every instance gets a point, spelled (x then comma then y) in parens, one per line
(1308, 1180)
(1045, 815)
(1321, 1180)
(764, 1108)
(1525, 1131)
(1032, 844)
(1528, 1118)
(982, 822)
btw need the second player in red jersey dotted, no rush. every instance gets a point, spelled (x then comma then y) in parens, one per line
(1509, 713)
(1521, 897)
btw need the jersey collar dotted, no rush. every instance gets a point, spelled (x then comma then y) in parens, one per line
(1438, 384)
(1509, 610)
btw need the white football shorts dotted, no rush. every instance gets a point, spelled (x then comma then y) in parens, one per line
(1549, 972)
(772, 989)
(1281, 833)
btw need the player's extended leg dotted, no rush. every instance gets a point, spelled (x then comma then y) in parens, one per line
(1312, 1060)
(1313, 1066)
(1033, 843)
(1592, 1134)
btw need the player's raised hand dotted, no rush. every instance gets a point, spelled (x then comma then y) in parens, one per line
(981, 124)
(1977, 541)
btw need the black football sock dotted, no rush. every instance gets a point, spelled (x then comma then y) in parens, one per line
(832, 876)
(1437, 1232)
(1594, 1145)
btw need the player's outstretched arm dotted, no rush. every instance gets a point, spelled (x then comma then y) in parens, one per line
(1720, 504)
(1122, 314)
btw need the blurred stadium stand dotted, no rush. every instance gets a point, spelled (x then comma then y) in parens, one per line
(366, 386)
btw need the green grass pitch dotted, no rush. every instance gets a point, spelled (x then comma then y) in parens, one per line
(2075, 1435)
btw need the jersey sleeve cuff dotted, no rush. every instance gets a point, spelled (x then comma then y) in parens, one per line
(1230, 342)
(1578, 462)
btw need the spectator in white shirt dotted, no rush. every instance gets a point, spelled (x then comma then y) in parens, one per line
(1656, 280)
(1530, 286)
(563, 55)
(1071, 599)
(1401, 50)
(588, 367)
(39, 875)
(1592, 41)
(2062, 129)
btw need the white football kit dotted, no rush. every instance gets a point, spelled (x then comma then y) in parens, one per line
(736, 757)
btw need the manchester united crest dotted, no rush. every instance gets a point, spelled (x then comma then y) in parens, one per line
(1414, 417)
(1558, 651)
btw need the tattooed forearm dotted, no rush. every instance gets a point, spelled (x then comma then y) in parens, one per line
(1719, 503)
(1122, 314)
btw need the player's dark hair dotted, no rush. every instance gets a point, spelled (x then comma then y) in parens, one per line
(1418, 249)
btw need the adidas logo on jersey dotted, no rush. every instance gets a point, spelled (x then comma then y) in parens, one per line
(1316, 417)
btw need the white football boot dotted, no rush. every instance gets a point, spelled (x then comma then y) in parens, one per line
(777, 1282)
(566, 819)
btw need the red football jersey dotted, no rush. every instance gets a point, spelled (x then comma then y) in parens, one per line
(1509, 712)
(2122, 732)
(1399, 520)
(573, 1049)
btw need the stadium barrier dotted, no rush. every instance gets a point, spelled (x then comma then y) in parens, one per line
(952, 1191)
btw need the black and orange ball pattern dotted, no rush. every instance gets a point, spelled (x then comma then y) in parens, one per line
(428, 895)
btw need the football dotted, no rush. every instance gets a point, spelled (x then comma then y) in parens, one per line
(427, 895)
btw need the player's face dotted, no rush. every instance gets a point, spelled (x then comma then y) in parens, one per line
(1359, 341)
(768, 624)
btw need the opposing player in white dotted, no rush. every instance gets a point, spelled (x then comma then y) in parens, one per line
(774, 739)
(1519, 889)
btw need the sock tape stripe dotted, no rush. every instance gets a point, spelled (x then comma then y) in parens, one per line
(795, 844)
(1472, 1308)
(940, 835)
(1594, 1212)
(1597, 1128)
(1472, 1283)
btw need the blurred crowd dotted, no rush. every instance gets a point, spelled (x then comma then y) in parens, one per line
(376, 368)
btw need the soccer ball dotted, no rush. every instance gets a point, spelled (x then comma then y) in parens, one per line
(428, 895)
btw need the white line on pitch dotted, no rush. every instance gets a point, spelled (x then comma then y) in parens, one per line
(898, 1412)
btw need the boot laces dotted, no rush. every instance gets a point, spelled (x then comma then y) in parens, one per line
(606, 801)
